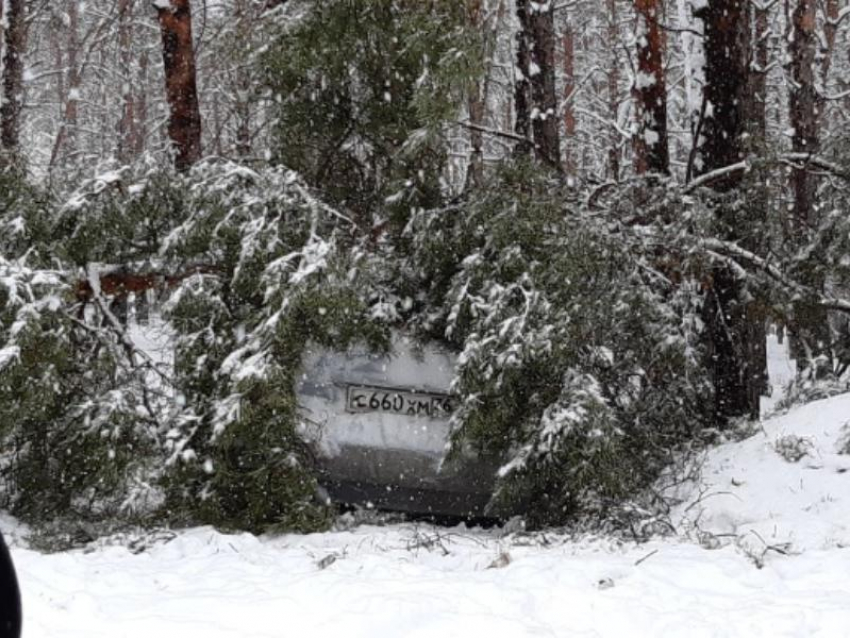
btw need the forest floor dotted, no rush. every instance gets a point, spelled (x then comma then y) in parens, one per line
(760, 550)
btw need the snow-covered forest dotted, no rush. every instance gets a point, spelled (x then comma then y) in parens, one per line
(625, 224)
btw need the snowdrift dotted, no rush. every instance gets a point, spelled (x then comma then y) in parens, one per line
(786, 488)
(771, 513)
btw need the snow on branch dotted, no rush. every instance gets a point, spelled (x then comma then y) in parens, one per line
(733, 250)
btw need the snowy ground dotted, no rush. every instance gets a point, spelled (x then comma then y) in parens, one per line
(762, 553)
(424, 583)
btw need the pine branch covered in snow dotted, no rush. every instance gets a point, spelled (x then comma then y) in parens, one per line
(287, 275)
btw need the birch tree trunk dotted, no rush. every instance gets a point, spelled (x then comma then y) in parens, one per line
(178, 55)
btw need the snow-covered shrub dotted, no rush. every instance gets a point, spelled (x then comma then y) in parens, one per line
(74, 438)
(270, 269)
(793, 448)
(25, 217)
(580, 358)
(120, 217)
(251, 267)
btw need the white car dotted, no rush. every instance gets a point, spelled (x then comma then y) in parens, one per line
(379, 425)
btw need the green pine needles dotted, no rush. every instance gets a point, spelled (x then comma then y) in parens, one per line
(364, 92)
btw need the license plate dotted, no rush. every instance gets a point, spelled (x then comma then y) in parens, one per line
(361, 398)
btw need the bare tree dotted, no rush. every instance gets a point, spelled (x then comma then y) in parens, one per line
(178, 55)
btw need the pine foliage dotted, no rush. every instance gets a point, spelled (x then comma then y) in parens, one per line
(365, 90)
(579, 360)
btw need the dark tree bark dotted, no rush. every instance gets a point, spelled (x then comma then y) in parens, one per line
(810, 326)
(760, 193)
(178, 55)
(758, 75)
(544, 114)
(13, 80)
(733, 333)
(535, 95)
(569, 91)
(727, 37)
(803, 107)
(652, 154)
(522, 84)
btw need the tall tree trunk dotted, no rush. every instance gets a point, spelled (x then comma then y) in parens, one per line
(614, 91)
(244, 141)
(141, 105)
(688, 43)
(74, 73)
(810, 326)
(652, 154)
(66, 136)
(522, 82)
(217, 125)
(535, 98)
(727, 37)
(127, 128)
(14, 40)
(803, 109)
(476, 107)
(58, 61)
(178, 55)
(544, 114)
(733, 348)
(569, 97)
(760, 193)
(832, 12)
(758, 75)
